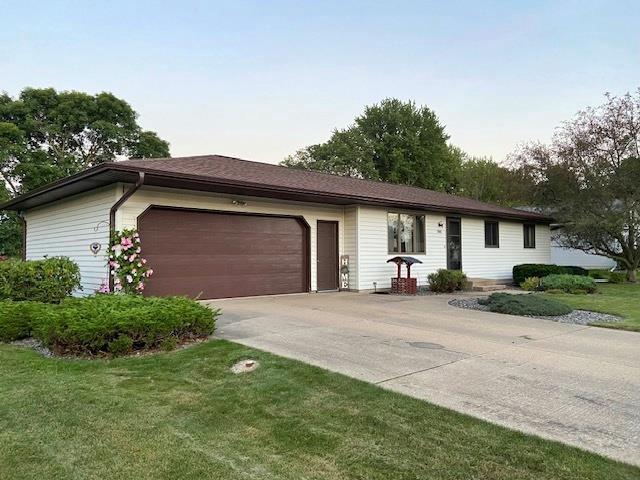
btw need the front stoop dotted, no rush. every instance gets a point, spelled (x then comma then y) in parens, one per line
(488, 285)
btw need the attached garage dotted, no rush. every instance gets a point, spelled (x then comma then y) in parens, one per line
(207, 254)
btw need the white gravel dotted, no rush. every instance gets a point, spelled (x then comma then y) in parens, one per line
(35, 345)
(577, 317)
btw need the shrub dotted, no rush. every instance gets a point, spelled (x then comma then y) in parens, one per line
(121, 345)
(97, 325)
(525, 304)
(617, 277)
(16, 319)
(531, 284)
(526, 270)
(447, 281)
(48, 280)
(569, 283)
(126, 265)
(576, 271)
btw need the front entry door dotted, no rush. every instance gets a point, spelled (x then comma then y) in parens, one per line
(327, 261)
(454, 243)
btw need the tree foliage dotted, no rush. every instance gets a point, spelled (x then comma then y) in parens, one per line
(46, 135)
(393, 141)
(589, 178)
(483, 179)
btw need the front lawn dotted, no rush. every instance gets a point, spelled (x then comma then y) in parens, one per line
(621, 299)
(184, 415)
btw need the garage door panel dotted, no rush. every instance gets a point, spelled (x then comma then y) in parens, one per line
(215, 255)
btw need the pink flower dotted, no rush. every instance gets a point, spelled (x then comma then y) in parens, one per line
(132, 258)
(140, 286)
(129, 279)
(139, 265)
(149, 273)
(117, 287)
(144, 260)
(138, 250)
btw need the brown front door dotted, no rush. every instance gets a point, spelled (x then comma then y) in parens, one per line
(327, 255)
(215, 255)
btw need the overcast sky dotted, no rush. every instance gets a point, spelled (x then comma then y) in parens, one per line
(259, 80)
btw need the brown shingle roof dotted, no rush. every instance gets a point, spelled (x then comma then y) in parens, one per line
(234, 170)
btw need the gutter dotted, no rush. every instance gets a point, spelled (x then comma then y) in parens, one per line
(114, 208)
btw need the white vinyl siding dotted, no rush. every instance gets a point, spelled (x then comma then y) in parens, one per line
(351, 244)
(68, 227)
(477, 261)
(497, 263)
(128, 213)
(373, 255)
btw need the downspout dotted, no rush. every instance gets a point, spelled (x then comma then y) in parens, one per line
(112, 214)
(23, 222)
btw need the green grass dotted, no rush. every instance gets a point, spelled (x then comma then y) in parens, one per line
(622, 300)
(184, 415)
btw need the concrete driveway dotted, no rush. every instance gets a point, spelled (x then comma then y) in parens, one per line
(579, 385)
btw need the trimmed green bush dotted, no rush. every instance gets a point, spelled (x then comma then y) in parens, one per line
(617, 277)
(569, 283)
(447, 281)
(526, 270)
(16, 319)
(99, 324)
(120, 346)
(531, 284)
(576, 271)
(525, 304)
(48, 280)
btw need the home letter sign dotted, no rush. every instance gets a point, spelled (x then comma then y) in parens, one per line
(344, 272)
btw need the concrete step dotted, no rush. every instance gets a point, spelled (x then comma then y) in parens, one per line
(488, 288)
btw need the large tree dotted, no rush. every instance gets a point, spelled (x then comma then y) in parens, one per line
(393, 141)
(46, 135)
(589, 178)
(483, 179)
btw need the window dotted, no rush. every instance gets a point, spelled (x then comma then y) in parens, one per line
(491, 234)
(405, 233)
(529, 230)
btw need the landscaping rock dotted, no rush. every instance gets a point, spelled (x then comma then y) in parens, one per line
(35, 345)
(577, 317)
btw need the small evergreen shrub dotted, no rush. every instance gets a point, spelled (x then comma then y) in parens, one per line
(447, 281)
(99, 324)
(571, 270)
(16, 319)
(120, 346)
(569, 283)
(525, 304)
(48, 280)
(531, 284)
(526, 270)
(617, 277)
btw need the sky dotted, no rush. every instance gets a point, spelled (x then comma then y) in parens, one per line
(261, 79)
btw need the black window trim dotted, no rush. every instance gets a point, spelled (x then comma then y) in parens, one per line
(497, 223)
(398, 213)
(524, 234)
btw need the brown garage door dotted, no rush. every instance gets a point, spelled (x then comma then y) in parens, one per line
(216, 255)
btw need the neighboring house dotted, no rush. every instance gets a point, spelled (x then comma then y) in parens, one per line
(215, 226)
(571, 256)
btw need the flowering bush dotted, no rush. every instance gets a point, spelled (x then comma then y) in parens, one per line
(126, 265)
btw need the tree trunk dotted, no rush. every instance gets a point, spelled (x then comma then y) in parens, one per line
(631, 275)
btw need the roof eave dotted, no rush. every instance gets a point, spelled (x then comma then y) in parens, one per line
(198, 182)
